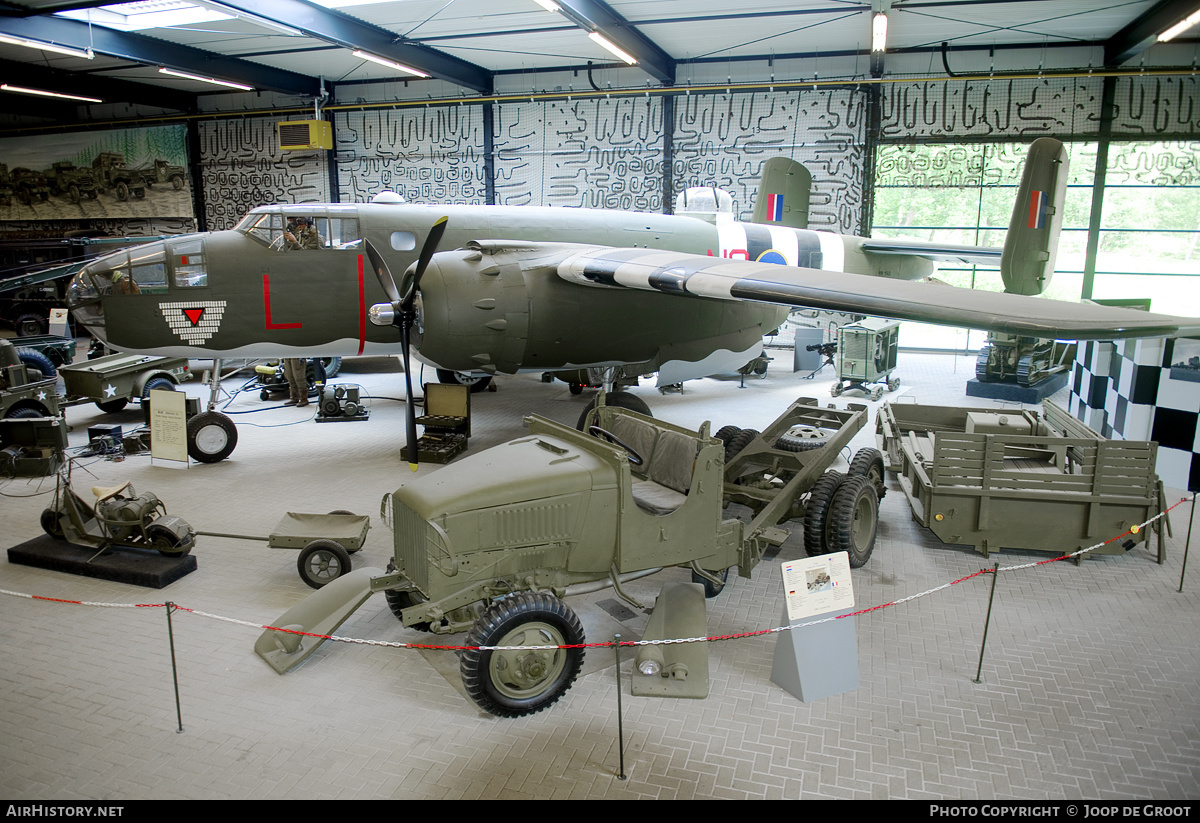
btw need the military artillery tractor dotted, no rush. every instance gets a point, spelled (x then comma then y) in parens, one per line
(490, 545)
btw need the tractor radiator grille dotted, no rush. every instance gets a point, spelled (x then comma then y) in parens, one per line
(411, 535)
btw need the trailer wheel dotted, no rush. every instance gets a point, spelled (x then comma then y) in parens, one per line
(211, 437)
(853, 519)
(112, 406)
(817, 513)
(30, 324)
(39, 362)
(868, 463)
(517, 682)
(166, 543)
(159, 384)
(321, 562)
(51, 524)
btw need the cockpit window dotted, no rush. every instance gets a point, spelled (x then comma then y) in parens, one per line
(148, 271)
(281, 229)
(189, 264)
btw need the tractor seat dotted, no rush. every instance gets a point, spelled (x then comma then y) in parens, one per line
(104, 493)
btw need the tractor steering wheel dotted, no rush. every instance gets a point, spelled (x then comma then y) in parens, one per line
(634, 457)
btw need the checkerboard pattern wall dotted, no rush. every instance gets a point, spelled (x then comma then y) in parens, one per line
(1125, 390)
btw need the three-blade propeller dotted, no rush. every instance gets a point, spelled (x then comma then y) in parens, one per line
(403, 313)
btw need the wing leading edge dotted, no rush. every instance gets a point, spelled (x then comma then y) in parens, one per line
(701, 276)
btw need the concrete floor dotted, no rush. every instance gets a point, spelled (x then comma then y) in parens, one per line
(1088, 682)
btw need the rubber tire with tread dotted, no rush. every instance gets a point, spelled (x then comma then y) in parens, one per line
(164, 541)
(726, 433)
(816, 514)
(322, 562)
(24, 413)
(620, 399)
(52, 525)
(476, 382)
(204, 444)
(37, 361)
(398, 600)
(112, 406)
(159, 383)
(738, 442)
(805, 438)
(30, 324)
(536, 679)
(853, 520)
(868, 463)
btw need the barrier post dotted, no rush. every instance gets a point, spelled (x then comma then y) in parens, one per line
(986, 621)
(620, 724)
(174, 668)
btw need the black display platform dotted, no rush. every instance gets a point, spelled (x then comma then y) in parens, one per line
(1017, 394)
(138, 567)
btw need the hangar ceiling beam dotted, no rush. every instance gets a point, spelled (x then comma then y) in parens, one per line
(1142, 33)
(594, 15)
(154, 52)
(109, 89)
(352, 33)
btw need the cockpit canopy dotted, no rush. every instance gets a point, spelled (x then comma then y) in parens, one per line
(704, 202)
(336, 226)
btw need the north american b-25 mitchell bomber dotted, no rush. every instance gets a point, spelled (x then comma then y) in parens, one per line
(491, 290)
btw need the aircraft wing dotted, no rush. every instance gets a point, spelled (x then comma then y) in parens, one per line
(722, 279)
(948, 252)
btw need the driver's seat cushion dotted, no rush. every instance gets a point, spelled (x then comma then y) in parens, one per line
(661, 483)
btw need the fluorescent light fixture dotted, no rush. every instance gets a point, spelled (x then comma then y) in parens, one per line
(1180, 27)
(86, 54)
(391, 64)
(202, 79)
(612, 47)
(548, 5)
(879, 32)
(43, 93)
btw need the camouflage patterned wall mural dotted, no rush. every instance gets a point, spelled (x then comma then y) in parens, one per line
(244, 167)
(596, 153)
(723, 139)
(432, 155)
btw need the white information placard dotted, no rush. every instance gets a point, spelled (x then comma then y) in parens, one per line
(58, 322)
(168, 425)
(817, 585)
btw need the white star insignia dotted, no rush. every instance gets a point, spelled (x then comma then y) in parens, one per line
(41, 395)
(110, 390)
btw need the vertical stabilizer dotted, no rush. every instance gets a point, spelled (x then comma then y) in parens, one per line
(783, 194)
(1032, 242)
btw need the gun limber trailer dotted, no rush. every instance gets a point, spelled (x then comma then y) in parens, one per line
(997, 478)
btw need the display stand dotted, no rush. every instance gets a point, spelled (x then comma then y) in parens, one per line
(820, 660)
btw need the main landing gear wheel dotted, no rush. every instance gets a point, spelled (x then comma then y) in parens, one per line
(322, 562)
(477, 382)
(521, 681)
(211, 437)
(620, 399)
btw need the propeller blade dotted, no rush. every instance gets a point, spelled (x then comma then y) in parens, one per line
(410, 406)
(431, 243)
(379, 265)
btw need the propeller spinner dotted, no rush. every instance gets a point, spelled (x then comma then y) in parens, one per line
(401, 312)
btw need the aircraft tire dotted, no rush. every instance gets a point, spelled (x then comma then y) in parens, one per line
(620, 399)
(817, 513)
(476, 382)
(211, 437)
(868, 463)
(36, 360)
(517, 683)
(853, 520)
